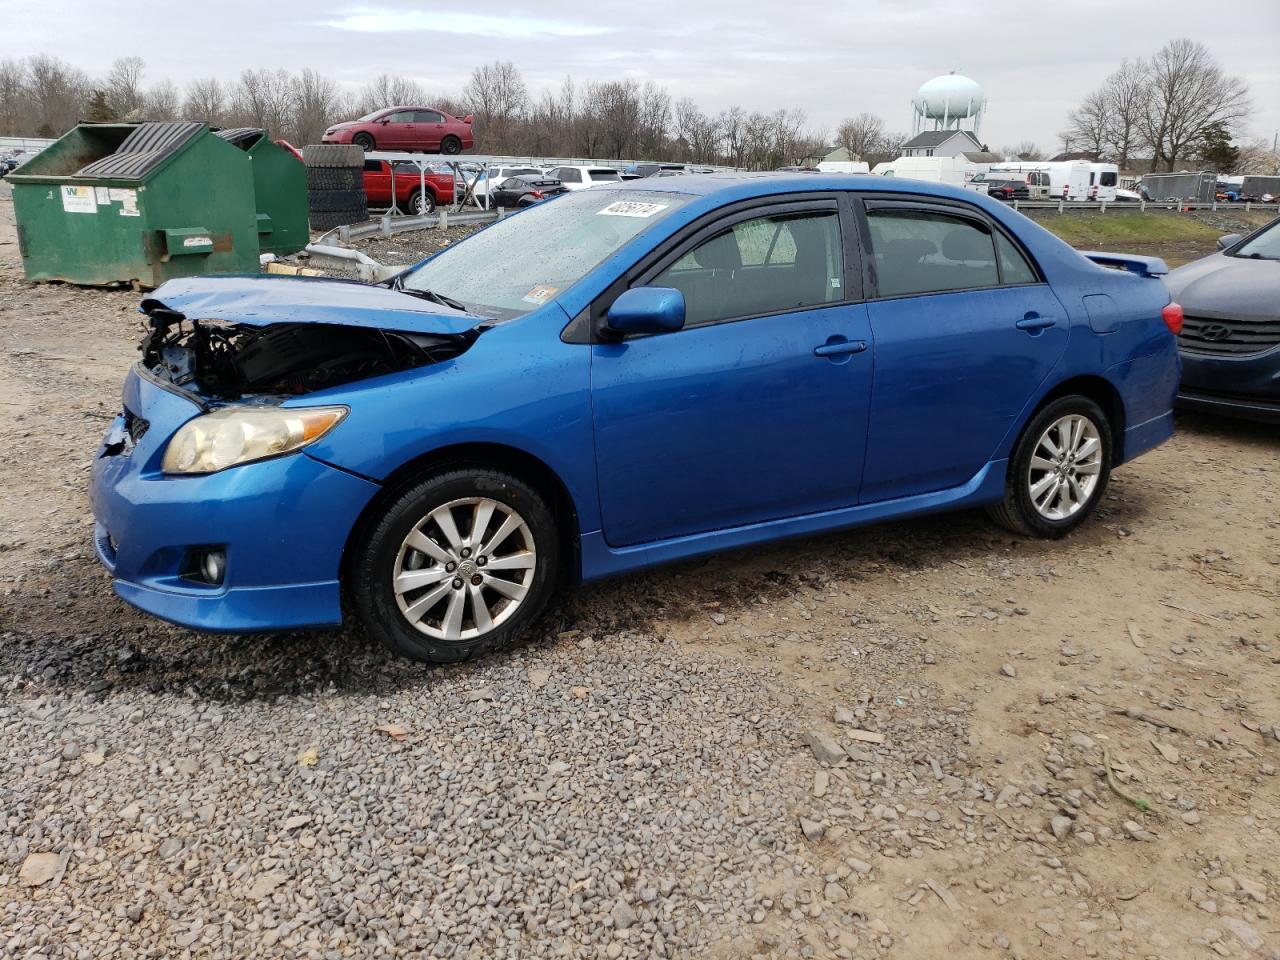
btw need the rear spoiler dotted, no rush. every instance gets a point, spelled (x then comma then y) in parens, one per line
(1142, 266)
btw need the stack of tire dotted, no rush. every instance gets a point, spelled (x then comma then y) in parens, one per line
(335, 185)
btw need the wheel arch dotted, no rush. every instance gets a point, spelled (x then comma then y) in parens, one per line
(1102, 392)
(518, 463)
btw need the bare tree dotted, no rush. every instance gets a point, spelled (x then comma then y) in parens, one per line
(14, 102)
(1188, 93)
(58, 92)
(161, 101)
(315, 101)
(860, 135)
(124, 87)
(263, 98)
(654, 120)
(1126, 93)
(205, 100)
(1088, 124)
(390, 91)
(497, 95)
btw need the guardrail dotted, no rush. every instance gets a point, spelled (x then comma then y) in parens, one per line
(1141, 206)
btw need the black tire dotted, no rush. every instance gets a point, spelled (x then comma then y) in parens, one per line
(333, 155)
(327, 220)
(335, 178)
(1017, 511)
(428, 204)
(378, 547)
(364, 141)
(323, 201)
(451, 145)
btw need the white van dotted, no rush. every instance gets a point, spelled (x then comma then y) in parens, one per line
(1068, 179)
(1103, 180)
(844, 166)
(956, 171)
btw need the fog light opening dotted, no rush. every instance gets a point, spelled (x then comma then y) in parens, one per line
(205, 565)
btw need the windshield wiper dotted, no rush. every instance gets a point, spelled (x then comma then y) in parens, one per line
(431, 295)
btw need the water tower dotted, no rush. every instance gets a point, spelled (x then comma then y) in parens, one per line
(946, 102)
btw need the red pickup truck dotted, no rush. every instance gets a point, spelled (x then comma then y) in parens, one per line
(409, 196)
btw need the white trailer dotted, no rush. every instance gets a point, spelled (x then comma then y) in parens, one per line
(956, 171)
(1068, 179)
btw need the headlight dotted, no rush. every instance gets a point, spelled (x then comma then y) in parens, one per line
(235, 435)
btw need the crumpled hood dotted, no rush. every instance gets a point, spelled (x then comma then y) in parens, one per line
(262, 300)
(1229, 287)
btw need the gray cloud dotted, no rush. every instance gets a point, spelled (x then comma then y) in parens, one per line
(833, 61)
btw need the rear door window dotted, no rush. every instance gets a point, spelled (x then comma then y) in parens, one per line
(427, 116)
(922, 251)
(1108, 178)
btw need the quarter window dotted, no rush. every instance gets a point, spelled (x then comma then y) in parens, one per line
(1014, 267)
(919, 251)
(760, 266)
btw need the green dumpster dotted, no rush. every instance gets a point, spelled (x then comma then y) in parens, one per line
(136, 203)
(279, 188)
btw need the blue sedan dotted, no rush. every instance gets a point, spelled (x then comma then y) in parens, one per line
(628, 376)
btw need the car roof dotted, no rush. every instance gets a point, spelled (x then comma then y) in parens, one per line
(745, 186)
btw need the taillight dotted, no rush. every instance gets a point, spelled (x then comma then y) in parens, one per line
(1172, 315)
(537, 195)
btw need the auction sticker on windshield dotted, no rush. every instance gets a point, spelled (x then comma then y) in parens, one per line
(632, 208)
(539, 294)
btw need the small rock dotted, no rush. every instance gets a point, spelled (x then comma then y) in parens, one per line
(1008, 670)
(1061, 826)
(821, 781)
(1135, 831)
(824, 747)
(1252, 889)
(39, 868)
(812, 830)
(718, 619)
(1191, 818)
(858, 866)
(71, 751)
(539, 678)
(265, 884)
(1247, 936)
(843, 715)
(623, 916)
(134, 913)
(131, 813)
(834, 893)
(293, 823)
(483, 693)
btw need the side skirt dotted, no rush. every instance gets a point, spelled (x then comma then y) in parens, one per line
(601, 560)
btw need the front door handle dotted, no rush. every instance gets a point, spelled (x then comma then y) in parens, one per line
(839, 346)
(1034, 322)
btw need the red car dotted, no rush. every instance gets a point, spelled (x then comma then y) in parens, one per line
(409, 196)
(405, 128)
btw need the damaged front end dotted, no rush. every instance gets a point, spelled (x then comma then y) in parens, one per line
(229, 361)
(234, 350)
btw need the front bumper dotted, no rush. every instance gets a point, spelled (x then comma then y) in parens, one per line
(283, 524)
(1242, 408)
(1247, 387)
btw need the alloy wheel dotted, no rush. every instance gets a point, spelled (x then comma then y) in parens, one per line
(464, 569)
(1065, 467)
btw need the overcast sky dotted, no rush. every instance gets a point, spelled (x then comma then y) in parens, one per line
(832, 59)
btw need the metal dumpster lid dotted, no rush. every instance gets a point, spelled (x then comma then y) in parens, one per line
(144, 149)
(243, 137)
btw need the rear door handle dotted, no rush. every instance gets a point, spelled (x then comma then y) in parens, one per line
(838, 346)
(1033, 321)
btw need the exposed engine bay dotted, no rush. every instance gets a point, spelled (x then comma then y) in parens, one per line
(228, 361)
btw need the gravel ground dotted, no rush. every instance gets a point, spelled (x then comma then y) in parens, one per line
(905, 741)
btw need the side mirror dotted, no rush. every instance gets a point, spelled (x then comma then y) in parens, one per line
(1230, 240)
(384, 120)
(647, 310)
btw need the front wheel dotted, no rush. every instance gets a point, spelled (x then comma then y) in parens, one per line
(1059, 470)
(456, 565)
(364, 141)
(421, 204)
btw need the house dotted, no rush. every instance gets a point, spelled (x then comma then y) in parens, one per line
(941, 143)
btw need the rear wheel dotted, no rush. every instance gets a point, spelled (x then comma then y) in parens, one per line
(451, 145)
(456, 565)
(1059, 469)
(364, 141)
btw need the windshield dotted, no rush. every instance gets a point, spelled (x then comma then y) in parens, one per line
(525, 260)
(1265, 246)
(367, 116)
